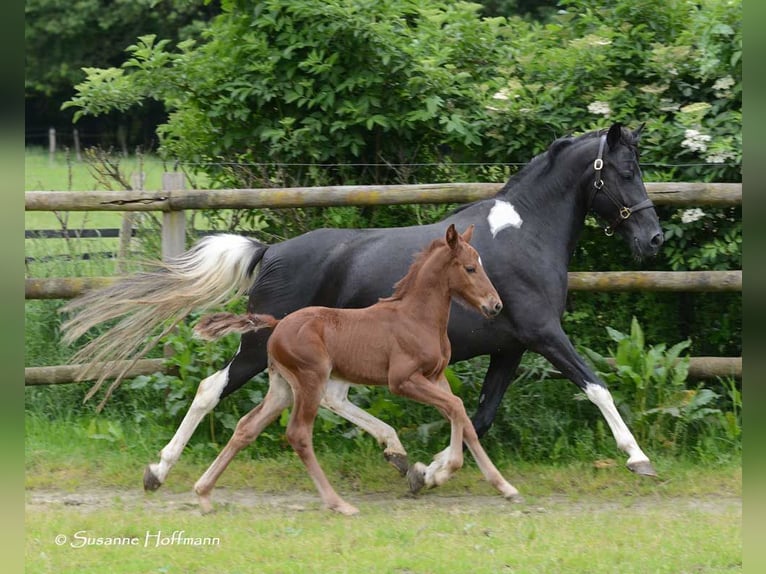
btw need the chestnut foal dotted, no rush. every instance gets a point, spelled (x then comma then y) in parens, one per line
(401, 341)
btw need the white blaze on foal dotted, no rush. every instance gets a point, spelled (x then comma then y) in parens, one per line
(501, 216)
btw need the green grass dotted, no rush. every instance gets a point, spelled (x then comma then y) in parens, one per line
(575, 518)
(402, 535)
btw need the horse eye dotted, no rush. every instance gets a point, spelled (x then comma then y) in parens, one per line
(470, 269)
(628, 175)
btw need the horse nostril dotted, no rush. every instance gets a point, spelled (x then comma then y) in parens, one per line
(498, 307)
(657, 240)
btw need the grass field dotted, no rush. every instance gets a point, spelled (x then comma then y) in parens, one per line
(574, 518)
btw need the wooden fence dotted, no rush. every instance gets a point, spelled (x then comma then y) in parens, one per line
(173, 199)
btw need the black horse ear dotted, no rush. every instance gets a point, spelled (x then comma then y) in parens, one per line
(451, 236)
(637, 132)
(614, 135)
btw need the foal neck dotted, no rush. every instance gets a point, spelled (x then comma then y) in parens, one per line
(424, 291)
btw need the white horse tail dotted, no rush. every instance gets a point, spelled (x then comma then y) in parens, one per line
(216, 269)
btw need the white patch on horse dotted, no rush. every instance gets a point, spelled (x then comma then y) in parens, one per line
(501, 216)
(602, 398)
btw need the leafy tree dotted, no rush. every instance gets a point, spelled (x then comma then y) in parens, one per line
(63, 37)
(314, 81)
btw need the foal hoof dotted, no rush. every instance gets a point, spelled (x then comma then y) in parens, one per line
(416, 477)
(151, 482)
(399, 461)
(642, 467)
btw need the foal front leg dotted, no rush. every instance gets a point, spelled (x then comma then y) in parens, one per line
(443, 465)
(439, 395)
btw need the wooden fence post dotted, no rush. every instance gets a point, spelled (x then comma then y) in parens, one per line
(173, 222)
(51, 145)
(77, 149)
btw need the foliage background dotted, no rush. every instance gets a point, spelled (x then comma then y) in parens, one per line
(309, 92)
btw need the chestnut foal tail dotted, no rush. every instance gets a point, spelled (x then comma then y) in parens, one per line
(401, 341)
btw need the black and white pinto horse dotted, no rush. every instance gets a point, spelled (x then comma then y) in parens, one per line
(525, 236)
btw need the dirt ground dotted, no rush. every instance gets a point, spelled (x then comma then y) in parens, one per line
(166, 501)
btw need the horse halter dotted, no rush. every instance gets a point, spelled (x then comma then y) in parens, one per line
(599, 185)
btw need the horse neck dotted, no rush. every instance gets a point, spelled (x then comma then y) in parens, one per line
(427, 300)
(554, 205)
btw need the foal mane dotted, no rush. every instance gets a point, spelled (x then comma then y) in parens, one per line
(404, 285)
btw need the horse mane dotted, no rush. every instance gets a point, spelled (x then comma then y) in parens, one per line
(404, 284)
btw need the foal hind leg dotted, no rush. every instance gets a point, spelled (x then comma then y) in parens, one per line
(336, 400)
(308, 395)
(241, 369)
(278, 397)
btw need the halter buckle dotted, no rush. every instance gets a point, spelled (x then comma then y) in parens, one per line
(598, 164)
(598, 184)
(625, 212)
(608, 231)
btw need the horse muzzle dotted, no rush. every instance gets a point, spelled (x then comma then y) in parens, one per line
(491, 308)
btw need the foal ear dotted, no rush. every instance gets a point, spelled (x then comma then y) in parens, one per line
(468, 233)
(614, 135)
(451, 236)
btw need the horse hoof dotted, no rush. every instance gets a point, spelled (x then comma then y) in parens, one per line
(205, 506)
(416, 477)
(642, 467)
(345, 509)
(151, 482)
(399, 461)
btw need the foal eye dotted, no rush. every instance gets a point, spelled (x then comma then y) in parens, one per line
(470, 269)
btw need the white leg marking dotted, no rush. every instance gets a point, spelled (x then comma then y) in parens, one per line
(208, 394)
(438, 472)
(336, 400)
(602, 398)
(501, 216)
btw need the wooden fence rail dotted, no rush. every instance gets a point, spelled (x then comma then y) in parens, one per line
(173, 199)
(699, 368)
(176, 199)
(614, 281)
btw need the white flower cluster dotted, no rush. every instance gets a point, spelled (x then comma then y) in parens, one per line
(720, 157)
(600, 108)
(692, 215)
(695, 140)
(722, 85)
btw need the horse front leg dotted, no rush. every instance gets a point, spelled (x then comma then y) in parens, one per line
(336, 400)
(558, 349)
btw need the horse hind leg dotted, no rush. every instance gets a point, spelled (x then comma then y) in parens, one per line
(207, 397)
(299, 435)
(278, 397)
(336, 400)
